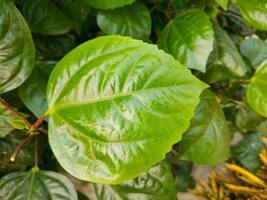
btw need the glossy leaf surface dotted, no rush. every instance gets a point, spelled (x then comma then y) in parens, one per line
(256, 92)
(224, 61)
(255, 50)
(17, 51)
(35, 185)
(223, 3)
(207, 139)
(45, 18)
(33, 91)
(109, 4)
(189, 38)
(247, 150)
(112, 100)
(254, 12)
(133, 20)
(156, 184)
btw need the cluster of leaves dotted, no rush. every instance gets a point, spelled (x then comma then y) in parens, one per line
(133, 89)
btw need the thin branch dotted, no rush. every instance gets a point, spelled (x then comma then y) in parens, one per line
(36, 152)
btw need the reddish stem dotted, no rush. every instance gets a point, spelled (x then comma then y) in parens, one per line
(38, 122)
(36, 152)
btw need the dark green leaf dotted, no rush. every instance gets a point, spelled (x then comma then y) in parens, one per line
(255, 50)
(112, 100)
(156, 184)
(33, 91)
(45, 18)
(247, 150)
(254, 12)
(133, 20)
(7, 148)
(256, 91)
(262, 128)
(17, 51)
(179, 4)
(207, 139)
(247, 119)
(224, 61)
(36, 185)
(109, 4)
(189, 38)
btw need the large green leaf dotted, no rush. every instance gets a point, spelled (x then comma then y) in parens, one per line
(223, 3)
(247, 150)
(45, 18)
(17, 51)
(207, 141)
(36, 185)
(255, 50)
(254, 12)
(109, 4)
(256, 91)
(156, 184)
(112, 101)
(133, 20)
(7, 148)
(33, 91)
(224, 61)
(189, 38)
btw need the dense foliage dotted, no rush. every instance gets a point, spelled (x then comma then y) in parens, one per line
(128, 94)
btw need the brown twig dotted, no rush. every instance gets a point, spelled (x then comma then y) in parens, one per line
(36, 151)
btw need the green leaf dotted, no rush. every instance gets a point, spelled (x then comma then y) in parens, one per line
(112, 100)
(6, 116)
(254, 12)
(224, 61)
(179, 4)
(33, 91)
(17, 48)
(18, 124)
(7, 148)
(256, 92)
(133, 20)
(255, 50)
(262, 128)
(247, 150)
(189, 38)
(157, 183)
(35, 185)
(109, 4)
(247, 119)
(223, 3)
(45, 18)
(207, 139)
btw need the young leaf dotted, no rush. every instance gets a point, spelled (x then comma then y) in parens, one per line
(6, 116)
(157, 183)
(223, 3)
(133, 20)
(254, 12)
(109, 4)
(256, 91)
(35, 185)
(189, 38)
(33, 91)
(224, 61)
(255, 50)
(247, 150)
(17, 48)
(18, 124)
(112, 100)
(45, 18)
(207, 141)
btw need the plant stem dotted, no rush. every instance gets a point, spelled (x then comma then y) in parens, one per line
(7, 106)
(20, 146)
(38, 122)
(36, 152)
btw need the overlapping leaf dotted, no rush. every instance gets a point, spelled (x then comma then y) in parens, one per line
(189, 38)
(109, 4)
(207, 139)
(17, 51)
(112, 100)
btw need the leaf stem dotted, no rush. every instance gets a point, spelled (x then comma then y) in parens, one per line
(38, 122)
(36, 152)
(20, 146)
